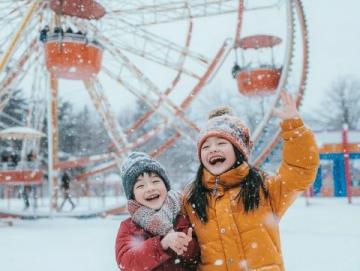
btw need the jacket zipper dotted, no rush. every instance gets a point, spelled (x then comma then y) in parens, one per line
(216, 185)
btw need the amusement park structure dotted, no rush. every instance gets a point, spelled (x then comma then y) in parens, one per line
(338, 174)
(120, 44)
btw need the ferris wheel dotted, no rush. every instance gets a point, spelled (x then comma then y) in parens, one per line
(165, 55)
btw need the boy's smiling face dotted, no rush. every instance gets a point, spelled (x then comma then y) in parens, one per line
(150, 190)
(217, 155)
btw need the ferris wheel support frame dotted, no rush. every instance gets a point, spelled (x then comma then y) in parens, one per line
(143, 99)
(223, 51)
(172, 108)
(52, 130)
(103, 108)
(9, 80)
(203, 80)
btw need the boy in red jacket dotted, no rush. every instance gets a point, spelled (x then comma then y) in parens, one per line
(156, 236)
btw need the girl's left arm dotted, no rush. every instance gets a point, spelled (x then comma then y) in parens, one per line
(298, 168)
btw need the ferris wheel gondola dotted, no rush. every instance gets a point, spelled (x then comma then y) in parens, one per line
(261, 80)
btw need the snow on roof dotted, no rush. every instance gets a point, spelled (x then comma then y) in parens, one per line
(335, 137)
(20, 133)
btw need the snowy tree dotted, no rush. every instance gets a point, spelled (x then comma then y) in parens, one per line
(249, 109)
(67, 127)
(14, 114)
(91, 137)
(15, 110)
(341, 105)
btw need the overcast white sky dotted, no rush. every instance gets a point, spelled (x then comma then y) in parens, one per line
(334, 28)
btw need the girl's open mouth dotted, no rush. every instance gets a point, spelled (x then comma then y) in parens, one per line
(216, 159)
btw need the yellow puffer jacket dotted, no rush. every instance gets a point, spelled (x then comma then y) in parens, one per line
(233, 240)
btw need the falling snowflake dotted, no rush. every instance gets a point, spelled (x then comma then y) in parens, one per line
(72, 69)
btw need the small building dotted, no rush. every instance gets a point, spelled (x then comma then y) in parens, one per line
(331, 177)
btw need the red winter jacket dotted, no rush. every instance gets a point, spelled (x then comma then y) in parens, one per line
(138, 250)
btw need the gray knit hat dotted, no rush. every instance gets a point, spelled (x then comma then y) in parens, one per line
(136, 164)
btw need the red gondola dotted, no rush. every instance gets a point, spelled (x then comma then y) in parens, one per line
(85, 9)
(72, 57)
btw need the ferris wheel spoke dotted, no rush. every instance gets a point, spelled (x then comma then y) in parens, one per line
(103, 107)
(150, 90)
(155, 48)
(169, 11)
(15, 75)
(28, 17)
(12, 11)
(83, 161)
(8, 91)
(10, 24)
(37, 105)
(112, 126)
(168, 111)
(163, 147)
(30, 145)
(17, 65)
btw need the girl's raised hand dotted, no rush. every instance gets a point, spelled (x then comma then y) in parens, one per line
(288, 110)
(177, 241)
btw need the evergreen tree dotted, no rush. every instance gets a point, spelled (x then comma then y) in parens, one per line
(14, 114)
(67, 127)
(15, 110)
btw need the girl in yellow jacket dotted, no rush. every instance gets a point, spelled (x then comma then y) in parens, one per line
(234, 207)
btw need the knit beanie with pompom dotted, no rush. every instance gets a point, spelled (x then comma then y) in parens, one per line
(136, 164)
(222, 123)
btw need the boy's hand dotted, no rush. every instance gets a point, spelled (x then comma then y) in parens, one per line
(189, 234)
(177, 241)
(288, 110)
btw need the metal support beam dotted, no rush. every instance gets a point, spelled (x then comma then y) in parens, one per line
(18, 34)
(52, 142)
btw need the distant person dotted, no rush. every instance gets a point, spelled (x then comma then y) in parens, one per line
(235, 70)
(25, 194)
(31, 158)
(69, 30)
(14, 158)
(65, 187)
(5, 158)
(30, 164)
(58, 31)
(43, 33)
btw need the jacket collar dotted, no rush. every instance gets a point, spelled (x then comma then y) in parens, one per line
(226, 180)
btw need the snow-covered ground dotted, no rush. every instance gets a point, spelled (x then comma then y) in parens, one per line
(322, 236)
(84, 206)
